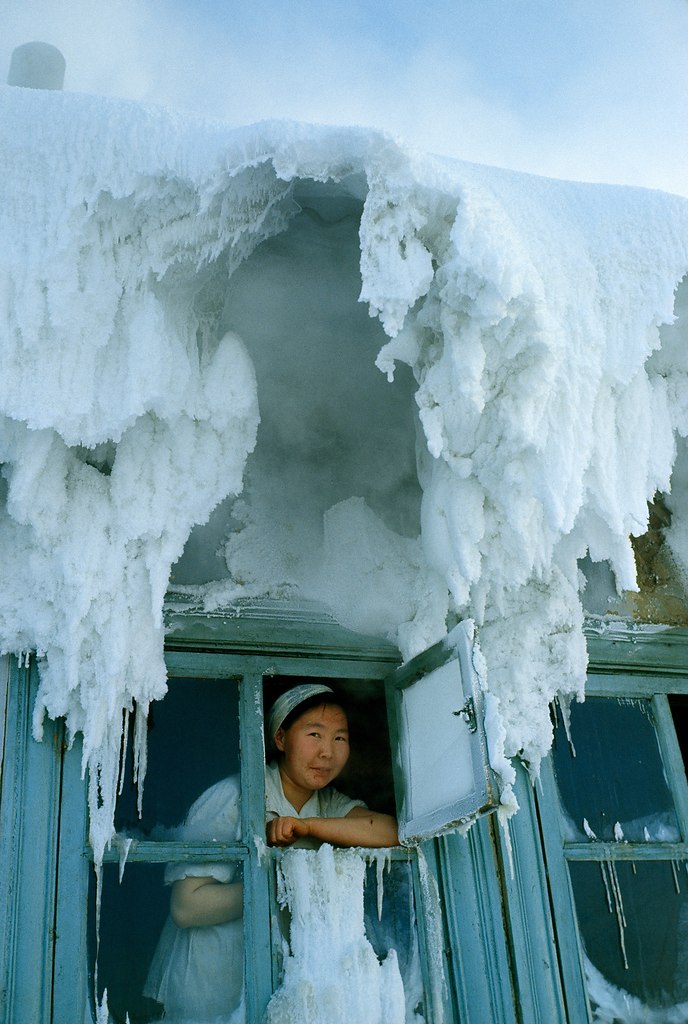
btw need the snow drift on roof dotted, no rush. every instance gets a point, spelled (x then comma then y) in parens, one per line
(537, 317)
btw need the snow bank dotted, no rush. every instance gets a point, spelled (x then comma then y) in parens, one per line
(530, 312)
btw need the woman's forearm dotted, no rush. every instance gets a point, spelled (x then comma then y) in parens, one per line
(197, 902)
(359, 828)
(368, 829)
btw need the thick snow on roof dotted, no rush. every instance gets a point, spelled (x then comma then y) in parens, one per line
(537, 318)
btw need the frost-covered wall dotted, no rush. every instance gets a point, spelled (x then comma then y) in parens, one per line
(155, 274)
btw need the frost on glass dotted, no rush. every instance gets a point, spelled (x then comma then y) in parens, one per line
(614, 787)
(352, 947)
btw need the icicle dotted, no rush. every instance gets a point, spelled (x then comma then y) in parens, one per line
(503, 816)
(102, 1011)
(433, 934)
(675, 865)
(603, 869)
(140, 751)
(620, 915)
(565, 707)
(98, 867)
(123, 749)
(611, 885)
(380, 864)
(617, 893)
(381, 859)
(123, 845)
(332, 971)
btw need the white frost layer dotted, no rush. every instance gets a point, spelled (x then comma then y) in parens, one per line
(612, 1005)
(529, 311)
(332, 973)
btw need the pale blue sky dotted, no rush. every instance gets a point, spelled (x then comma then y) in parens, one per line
(588, 89)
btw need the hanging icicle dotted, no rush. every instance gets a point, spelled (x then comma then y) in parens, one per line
(675, 866)
(612, 888)
(124, 746)
(140, 750)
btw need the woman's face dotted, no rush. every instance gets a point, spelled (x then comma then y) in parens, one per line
(315, 748)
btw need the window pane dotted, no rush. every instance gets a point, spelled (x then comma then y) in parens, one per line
(193, 742)
(390, 924)
(647, 956)
(679, 709)
(149, 966)
(132, 917)
(616, 774)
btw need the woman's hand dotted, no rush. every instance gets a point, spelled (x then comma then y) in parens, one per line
(285, 831)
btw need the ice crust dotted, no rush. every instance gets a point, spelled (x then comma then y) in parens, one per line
(537, 318)
(332, 972)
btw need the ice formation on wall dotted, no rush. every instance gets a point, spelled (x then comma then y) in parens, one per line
(536, 318)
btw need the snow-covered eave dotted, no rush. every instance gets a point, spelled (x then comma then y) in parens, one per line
(613, 643)
(271, 627)
(528, 309)
(628, 646)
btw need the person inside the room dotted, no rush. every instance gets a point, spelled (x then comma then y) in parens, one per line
(197, 971)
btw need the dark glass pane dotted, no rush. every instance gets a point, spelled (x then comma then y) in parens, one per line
(149, 966)
(647, 956)
(616, 774)
(132, 917)
(193, 742)
(679, 709)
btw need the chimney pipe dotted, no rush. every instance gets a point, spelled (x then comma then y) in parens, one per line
(37, 66)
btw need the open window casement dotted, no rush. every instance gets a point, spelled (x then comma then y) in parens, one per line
(442, 776)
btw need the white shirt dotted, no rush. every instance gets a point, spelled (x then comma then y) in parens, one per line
(198, 973)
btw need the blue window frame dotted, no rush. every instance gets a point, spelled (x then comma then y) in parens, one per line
(229, 683)
(614, 810)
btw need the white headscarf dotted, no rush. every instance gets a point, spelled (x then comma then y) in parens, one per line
(285, 704)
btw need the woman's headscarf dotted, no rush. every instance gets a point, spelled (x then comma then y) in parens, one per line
(290, 700)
